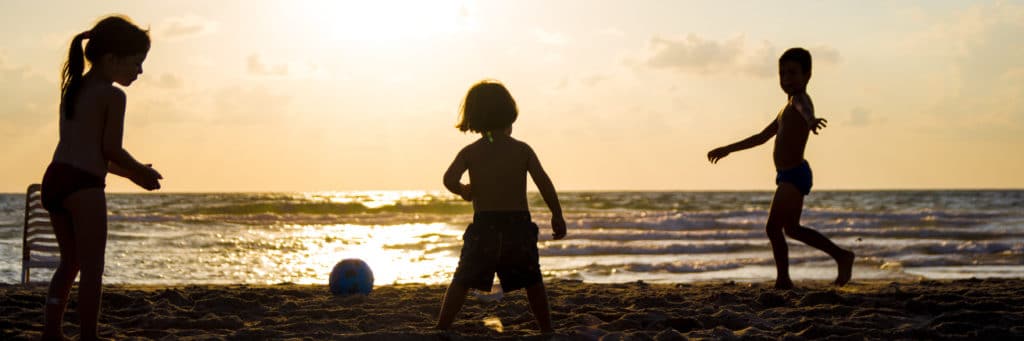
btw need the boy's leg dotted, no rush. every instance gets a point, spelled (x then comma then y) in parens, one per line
(88, 209)
(538, 298)
(844, 258)
(63, 278)
(784, 210)
(793, 229)
(454, 297)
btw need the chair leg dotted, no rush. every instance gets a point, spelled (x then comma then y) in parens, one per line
(24, 275)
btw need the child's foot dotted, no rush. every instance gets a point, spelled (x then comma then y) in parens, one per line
(845, 262)
(783, 284)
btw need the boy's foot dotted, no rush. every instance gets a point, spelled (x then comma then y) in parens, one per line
(845, 268)
(783, 284)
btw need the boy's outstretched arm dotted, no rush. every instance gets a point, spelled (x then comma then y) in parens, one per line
(453, 176)
(756, 140)
(547, 191)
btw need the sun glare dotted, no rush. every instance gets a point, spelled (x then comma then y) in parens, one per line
(385, 20)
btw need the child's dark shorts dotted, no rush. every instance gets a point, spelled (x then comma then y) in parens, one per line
(800, 176)
(62, 180)
(499, 242)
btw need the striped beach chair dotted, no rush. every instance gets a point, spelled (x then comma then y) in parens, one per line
(39, 246)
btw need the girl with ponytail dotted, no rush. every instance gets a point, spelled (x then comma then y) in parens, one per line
(92, 113)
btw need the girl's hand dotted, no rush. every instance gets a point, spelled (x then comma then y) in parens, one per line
(718, 153)
(467, 192)
(148, 178)
(819, 123)
(557, 227)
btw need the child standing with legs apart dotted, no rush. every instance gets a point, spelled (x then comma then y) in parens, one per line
(91, 126)
(502, 239)
(793, 174)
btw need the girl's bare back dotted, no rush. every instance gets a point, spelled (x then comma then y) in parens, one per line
(81, 138)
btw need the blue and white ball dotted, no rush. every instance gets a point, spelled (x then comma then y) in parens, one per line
(351, 276)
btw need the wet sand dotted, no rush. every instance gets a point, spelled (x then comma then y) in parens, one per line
(972, 309)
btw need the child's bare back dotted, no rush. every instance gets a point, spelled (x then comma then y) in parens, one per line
(497, 172)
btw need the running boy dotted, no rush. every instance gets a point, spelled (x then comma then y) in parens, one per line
(502, 238)
(793, 174)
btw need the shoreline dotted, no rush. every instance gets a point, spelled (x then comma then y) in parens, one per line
(914, 309)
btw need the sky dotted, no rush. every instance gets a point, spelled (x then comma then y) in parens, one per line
(613, 95)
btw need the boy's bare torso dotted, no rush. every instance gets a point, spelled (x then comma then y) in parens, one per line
(497, 173)
(791, 138)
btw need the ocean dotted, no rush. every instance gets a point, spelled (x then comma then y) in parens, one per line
(415, 236)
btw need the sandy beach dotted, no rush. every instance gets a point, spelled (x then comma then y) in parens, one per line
(928, 309)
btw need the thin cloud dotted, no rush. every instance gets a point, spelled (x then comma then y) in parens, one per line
(860, 116)
(186, 26)
(697, 55)
(168, 81)
(256, 66)
(550, 38)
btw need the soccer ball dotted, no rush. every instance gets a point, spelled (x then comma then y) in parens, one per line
(351, 276)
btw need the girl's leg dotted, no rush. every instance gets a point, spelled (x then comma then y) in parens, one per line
(88, 209)
(63, 278)
(453, 300)
(538, 298)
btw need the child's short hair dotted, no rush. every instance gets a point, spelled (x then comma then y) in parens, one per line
(798, 55)
(488, 107)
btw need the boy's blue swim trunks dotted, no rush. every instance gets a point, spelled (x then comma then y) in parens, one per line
(499, 242)
(800, 176)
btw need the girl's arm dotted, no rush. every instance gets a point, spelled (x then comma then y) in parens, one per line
(547, 191)
(113, 132)
(453, 176)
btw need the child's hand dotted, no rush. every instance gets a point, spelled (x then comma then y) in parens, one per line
(558, 227)
(467, 192)
(148, 178)
(718, 153)
(819, 123)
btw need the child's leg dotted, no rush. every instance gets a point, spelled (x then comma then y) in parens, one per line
(63, 278)
(538, 298)
(88, 209)
(785, 211)
(844, 258)
(793, 229)
(453, 300)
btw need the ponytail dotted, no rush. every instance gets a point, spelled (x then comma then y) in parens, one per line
(71, 79)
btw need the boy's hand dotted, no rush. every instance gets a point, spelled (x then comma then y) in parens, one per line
(148, 178)
(718, 153)
(467, 192)
(558, 227)
(819, 123)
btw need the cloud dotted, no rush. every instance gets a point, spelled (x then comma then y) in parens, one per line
(238, 105)
(550, 38)
(256, 66)
(987, 65)
(29, 99)
(860, 116)
(697, 55)
(168, 81)
(612, 32)
(185, 27)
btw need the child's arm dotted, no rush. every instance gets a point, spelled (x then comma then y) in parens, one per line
(750, 142)
(803, 105)
(453, 176)
(547, 191)
(126, 165)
